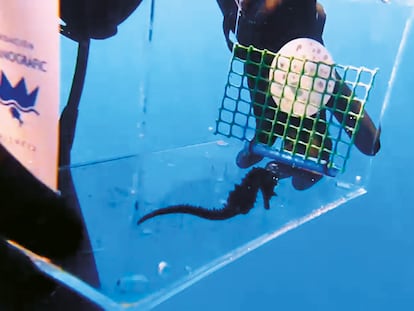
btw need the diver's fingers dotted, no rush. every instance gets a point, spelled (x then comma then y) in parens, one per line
(321, 18)
(367, 137)
(227, 27)
(320, 11)
(341, 101)
(271, 5)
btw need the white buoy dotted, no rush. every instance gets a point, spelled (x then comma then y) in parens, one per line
(302, 79)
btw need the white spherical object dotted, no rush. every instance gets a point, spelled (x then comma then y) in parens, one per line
(162, 267)
(302, 78)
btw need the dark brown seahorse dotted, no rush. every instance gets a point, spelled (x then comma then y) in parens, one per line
(240, 201)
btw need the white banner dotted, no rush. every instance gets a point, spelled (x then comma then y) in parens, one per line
(29, 84)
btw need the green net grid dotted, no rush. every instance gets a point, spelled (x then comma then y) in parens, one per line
(289, 106)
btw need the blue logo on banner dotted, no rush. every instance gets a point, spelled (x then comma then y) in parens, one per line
(17, 98)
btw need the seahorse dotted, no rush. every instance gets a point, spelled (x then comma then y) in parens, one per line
(240, 201)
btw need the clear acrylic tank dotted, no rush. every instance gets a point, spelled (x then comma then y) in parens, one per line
(166, 107)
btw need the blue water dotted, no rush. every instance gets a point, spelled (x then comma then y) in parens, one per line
(358, 257)
(137, 93)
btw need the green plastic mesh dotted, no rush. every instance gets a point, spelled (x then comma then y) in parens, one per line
(292, 106)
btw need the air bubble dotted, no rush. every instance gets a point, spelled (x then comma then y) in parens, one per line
(146, 231)
(163, 268)
(188, 269)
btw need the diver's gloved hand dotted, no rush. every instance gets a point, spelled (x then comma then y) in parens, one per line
(34, 215)
(301, 179)
(97, 19)
(246, 157)
(21, 284)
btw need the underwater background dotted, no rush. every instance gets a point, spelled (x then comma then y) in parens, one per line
(358, 257)
(148, 96)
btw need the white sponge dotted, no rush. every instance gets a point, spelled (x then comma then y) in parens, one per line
(302, 78)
